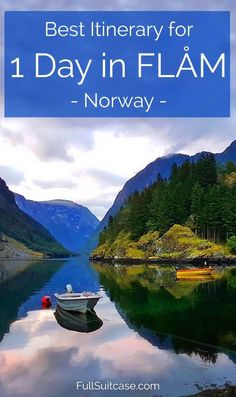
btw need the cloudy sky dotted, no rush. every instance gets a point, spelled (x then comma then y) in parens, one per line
(89, 160)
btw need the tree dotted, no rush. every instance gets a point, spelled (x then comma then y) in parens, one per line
(197, 208)
(231, 242)
(230, 167)
(174, 174)
(206, 170)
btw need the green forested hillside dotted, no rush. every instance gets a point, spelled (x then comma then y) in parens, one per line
(199, 195)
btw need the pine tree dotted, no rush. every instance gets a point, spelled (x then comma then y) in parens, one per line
(206, 170)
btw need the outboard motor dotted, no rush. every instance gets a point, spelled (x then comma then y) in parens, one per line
(69, 289)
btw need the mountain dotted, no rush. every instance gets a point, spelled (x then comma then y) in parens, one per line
(69, 223)
(19, 226)
(148, 176)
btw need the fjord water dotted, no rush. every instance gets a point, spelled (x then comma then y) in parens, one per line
(181, 335)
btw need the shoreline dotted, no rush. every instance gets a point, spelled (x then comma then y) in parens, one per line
(157, 261)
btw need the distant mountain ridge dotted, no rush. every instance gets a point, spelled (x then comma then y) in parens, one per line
(148, 176)
(69, 223)
(21, 227)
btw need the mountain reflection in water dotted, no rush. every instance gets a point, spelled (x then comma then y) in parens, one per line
(196, 315)
(180, 335)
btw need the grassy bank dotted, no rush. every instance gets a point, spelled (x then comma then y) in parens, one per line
(179, 243)
(11, 248)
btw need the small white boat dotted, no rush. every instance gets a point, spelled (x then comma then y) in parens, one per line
(82, 302)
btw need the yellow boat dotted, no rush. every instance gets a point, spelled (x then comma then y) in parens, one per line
(194, 280)
(199, 272)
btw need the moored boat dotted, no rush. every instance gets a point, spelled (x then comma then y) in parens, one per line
(82, 302)
(184, 273)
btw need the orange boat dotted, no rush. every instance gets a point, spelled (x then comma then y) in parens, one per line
(204, 271)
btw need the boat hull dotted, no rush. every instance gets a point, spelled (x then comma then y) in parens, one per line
(80, 305)
(194, 272)
(196, 279)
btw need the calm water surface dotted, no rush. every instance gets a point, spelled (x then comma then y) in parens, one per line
(150, 328)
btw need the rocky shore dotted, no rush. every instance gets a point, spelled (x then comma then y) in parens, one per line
(179, 245)
(10, 249)
(162, 261)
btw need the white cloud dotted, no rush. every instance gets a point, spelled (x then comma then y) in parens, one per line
(55, 184)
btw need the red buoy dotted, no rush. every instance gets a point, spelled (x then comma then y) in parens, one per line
(46, 302)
